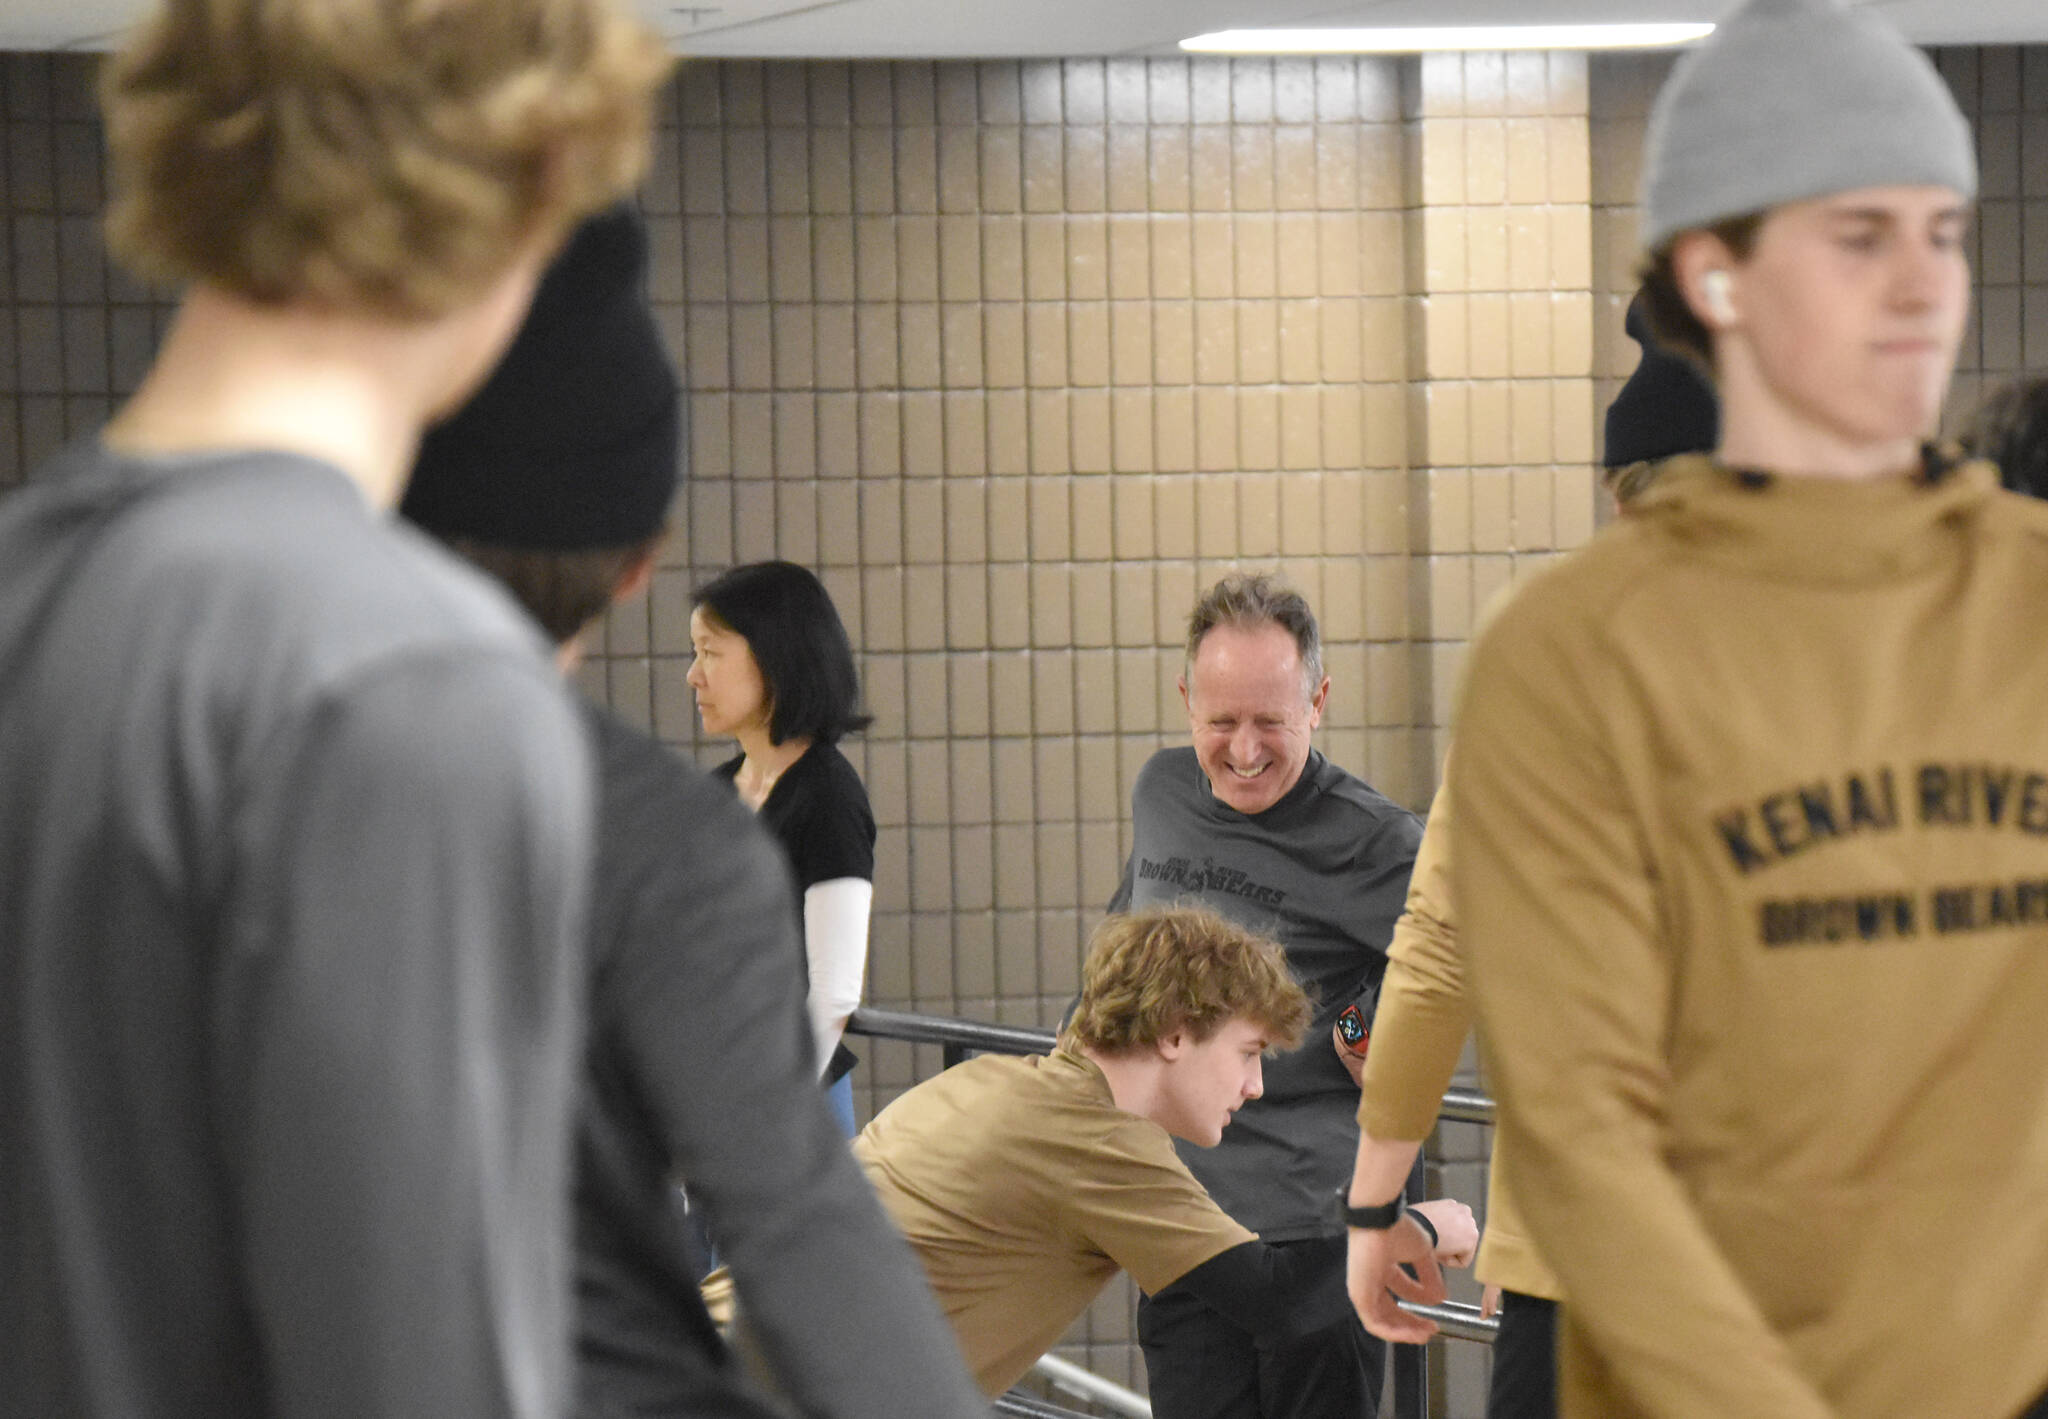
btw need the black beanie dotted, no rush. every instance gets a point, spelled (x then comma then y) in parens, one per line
(574, 441)
(1668, 406)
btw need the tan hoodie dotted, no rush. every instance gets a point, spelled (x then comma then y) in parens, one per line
(1418, 1037)
(1752, 874)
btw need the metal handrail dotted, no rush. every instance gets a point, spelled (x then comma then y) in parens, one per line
(1466, 1106)
(959, 1038)
(955, 1035)
(1092, 1388)
(1023, 1406)
(1456, 1320)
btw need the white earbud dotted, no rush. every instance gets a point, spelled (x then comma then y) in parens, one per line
(1716, 291)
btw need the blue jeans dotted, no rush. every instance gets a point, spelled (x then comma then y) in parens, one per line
(839, 1098)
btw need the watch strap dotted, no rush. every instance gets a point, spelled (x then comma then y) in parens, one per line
(1376, 1218)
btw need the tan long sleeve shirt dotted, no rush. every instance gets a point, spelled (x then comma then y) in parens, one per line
(1752, 872)
(1418, 1036)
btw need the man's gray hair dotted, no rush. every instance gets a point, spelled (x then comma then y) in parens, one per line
(1248, 600)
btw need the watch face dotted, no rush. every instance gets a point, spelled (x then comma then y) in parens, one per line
(1351, 1029)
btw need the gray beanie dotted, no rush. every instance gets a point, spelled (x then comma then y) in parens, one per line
(1793, 99)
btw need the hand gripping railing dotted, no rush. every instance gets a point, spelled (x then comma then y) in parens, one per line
(957, 1039)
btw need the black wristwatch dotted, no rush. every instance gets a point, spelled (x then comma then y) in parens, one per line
(1372, 1219)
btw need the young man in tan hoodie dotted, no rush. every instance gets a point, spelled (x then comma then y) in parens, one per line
(1425, 1010)
(1752, 862)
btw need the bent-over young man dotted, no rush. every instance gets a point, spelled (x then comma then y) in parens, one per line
(1025, 1184)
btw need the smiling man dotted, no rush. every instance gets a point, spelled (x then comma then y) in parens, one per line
(1253, 822)
(1024, 1185)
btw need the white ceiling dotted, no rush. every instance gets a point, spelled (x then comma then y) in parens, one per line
(909, 29)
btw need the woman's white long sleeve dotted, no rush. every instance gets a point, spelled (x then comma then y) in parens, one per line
(836, 941)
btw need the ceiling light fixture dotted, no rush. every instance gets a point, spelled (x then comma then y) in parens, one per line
(1425, 39)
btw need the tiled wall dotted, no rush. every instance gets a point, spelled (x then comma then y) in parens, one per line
(1500, 398)
(74, 332)
(2005, 92)
(1621, 89)
(1019, 356)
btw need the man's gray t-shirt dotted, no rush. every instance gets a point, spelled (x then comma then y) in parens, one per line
(294, 837)
(1324, 872)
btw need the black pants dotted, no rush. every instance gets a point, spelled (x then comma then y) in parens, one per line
(1524, 1360)
(1202, 1367)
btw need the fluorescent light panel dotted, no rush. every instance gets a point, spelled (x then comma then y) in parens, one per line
(1425, 39)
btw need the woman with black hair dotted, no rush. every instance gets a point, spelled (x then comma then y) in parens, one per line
(774, 670)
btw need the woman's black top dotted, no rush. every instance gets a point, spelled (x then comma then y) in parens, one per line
(818, 810)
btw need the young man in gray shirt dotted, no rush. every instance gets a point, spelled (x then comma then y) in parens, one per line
(295, 814)
(699, 1064)
(1255, 823)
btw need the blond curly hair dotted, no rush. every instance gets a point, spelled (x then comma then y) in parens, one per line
(1151, 973)
(393, 155)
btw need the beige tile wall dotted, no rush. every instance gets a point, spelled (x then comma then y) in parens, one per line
(2005, 92)
(1620, 91)
(1019, 356)
(1501, 338)
(74, 332)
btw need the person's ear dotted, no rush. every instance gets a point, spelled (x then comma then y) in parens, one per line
(1173, 1046)
(637, 577)
(1705, 269)
(1717, 294)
